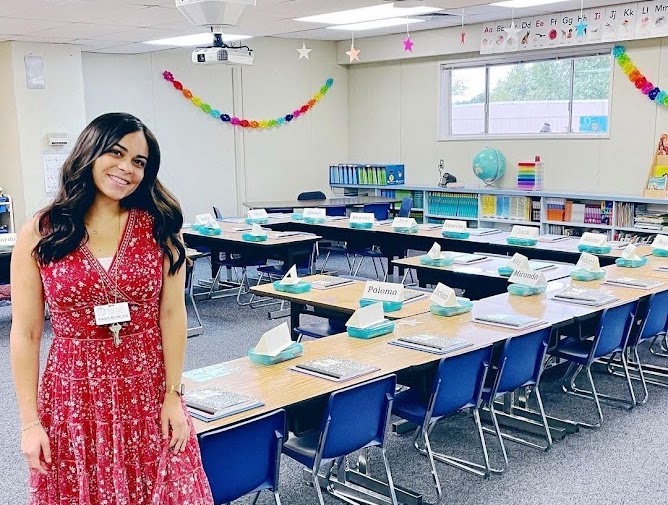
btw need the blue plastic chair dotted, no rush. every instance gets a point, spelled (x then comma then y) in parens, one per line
(311, 195)
(610, 339)
(406, 206)
(355, 418)
(652, 324)
(244, 458)
(520, 364)
(380, 210)
(457, 386)
(336, 211)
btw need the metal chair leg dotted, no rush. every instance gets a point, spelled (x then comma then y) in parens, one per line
(257, 495)
(390, 481)
(434, 474)
(495, 422)
(277, 498)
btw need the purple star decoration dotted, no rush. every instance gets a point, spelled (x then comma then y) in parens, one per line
(408, 44)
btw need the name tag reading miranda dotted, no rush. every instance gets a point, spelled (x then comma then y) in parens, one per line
(383, 291)
(112, 313)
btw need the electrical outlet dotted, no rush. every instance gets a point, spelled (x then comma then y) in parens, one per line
(441, 163)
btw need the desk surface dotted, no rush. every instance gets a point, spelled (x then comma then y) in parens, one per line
(487, 268)
(232, 232)
(343, 298)
(327, 202)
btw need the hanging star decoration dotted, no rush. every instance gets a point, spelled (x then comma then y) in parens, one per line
(581, 28)
(353, 53)
(239, 121)
(303, 51)
(462, 34)
(512, 31)
(408, 44)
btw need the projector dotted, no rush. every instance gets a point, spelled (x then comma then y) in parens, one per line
(213, 12)
(223, 55)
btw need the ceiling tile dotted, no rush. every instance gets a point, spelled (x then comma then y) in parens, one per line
(127, 49)
(14, 26)
(80, 30)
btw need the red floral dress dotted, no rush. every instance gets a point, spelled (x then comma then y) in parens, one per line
(100, 403)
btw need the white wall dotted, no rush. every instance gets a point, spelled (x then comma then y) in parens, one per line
(399, 124)
(206, 162)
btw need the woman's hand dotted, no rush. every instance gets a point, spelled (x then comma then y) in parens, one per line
(36, 449)
(172, 415)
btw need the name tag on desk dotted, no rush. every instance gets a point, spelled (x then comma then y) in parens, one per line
(7, 239)
(524, 232)
(383, 291)
(660, 242)
(454, 226)
(112, 313)
(314, 213)
(593, 239)
(362, 217)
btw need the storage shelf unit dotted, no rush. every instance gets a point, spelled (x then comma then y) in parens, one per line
(618, 214)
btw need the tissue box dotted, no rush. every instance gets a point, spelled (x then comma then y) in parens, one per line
(662, 253)
(621, 262)
(377, 330)
(580, 274)
(257, 220)
(521, 241)
(387, 306)
(301, 287)
(294, 351)
(249, 237)
(463, 305)
(592, 249)
(456, 234)
(440, 262)
(521, 290)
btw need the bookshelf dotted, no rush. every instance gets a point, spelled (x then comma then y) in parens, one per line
(620, 217)
(6, 214)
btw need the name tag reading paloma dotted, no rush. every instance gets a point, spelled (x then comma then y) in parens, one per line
(524, 231)
(112, 313)
(383, 291)
(314, 212)
(455, 226)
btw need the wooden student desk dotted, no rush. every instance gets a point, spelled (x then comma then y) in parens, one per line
(279, 387)
(648, 270)
(342, 299)
(479, 280)
(352, 201)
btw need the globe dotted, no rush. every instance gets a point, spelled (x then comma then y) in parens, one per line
(489, 165)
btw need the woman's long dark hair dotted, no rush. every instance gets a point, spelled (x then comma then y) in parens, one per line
(61, 224)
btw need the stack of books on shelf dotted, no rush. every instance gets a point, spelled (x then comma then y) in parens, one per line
(626, 212)
(555, 209)
(377, 175)
(417, 196)
(453, 204)
(651, 218)
(520, 208)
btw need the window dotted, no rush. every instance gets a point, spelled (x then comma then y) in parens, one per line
(534, 97)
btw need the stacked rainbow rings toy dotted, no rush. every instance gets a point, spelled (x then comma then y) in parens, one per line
(640, 81)
(248, 123)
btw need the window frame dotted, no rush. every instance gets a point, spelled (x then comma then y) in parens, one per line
(444, 111)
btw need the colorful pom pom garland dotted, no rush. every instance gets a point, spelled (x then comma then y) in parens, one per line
(640, 81)
(248, 123)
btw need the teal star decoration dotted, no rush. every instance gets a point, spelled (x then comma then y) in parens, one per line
(581, 28)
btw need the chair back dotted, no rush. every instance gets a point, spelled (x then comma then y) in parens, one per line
(406, 206)
(459, 381)
(521, 361)
(613, 330)
(216, 213)
(243, 458)
(379, 210)
(655, 317)
(311, 195)
(339, 210)
(357, 417)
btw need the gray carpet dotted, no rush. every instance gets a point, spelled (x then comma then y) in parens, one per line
(625, 462)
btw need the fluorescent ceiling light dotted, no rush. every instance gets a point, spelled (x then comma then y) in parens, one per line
(198, 39)
(379, 23)
(376, 12)
(518, 4)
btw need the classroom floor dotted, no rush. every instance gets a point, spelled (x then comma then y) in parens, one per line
(625, 462)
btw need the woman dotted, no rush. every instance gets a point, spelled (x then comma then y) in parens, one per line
(108, 425)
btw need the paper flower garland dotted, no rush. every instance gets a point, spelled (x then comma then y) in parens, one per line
(248, 123)
(653, 92)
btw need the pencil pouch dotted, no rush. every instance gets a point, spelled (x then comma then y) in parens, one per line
(521, 290)
(438, 262)
(377, 330)
(293, 351)
(401, 229)
(621, 262)
(297, 216)
(521, 241)
(580, 274)
(314, 220)
(206, 230)
(300, 287)
(456, 234)
(506, 271)
(360, 226)
(657, 251)
(593, 249)
(249, 237)
(387, 306)
(463, 305)
(257, 220)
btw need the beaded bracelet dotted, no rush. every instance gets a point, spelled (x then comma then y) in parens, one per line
(30, 425)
